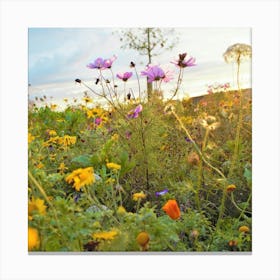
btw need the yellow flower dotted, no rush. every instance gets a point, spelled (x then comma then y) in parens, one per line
(90, 114)
(62, 168)
(113, 166)
(52, 132)
(115, 137)
(138, 196)
(30, 138)
(81, 177)
(65, 100)
(52, 140)
(244, 229)
(97, 111)
(121, 210)
(53, 106)
(36, 204)
(230, 188)
(33, 239)
(40, 165)
(105, 235)
(67, 140)
(87, 100)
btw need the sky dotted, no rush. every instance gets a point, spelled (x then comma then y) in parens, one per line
(57, 56)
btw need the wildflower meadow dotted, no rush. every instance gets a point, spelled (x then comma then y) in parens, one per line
(139, 172)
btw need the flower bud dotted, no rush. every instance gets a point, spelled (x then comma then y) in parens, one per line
(244, 229)
(233, 243)
(143, 240)
(230, 188)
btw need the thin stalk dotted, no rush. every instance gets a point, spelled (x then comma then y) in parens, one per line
(243, 211)
(113, 79)
(239, 124)
(146, 163)
(179, 81)
(196, 147)
(222, 205)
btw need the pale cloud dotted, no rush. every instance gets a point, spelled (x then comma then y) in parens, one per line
(61, 54)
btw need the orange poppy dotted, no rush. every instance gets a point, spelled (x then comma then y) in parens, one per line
(172, 209)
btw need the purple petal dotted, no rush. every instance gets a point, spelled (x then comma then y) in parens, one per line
(163, 192)
(138, 109)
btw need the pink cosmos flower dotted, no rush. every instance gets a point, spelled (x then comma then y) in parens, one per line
(109, 61)
(124, 76)
(98, 121)
(128, 135)
(101, 63)
(133, 114)
(184, 61)
(168, 76)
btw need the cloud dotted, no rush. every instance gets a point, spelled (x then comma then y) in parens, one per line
(61, 54)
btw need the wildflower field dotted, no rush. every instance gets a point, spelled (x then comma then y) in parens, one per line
(148, 174)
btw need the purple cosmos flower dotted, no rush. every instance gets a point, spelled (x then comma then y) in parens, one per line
(101, 63)
(124, 76)
(154, 73)
(97, 64)
(184, 61)
(133, 114)
(161, 192)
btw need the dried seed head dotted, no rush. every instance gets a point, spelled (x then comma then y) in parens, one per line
(194, 234)
(193, 158)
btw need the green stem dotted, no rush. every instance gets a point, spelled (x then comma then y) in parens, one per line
(200, 169)
(243, 211)
(42, 191)
(138, 205)
(221, 209)
(144, 149)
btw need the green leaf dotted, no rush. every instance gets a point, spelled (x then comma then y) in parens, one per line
(248, 175)
(83, 160)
